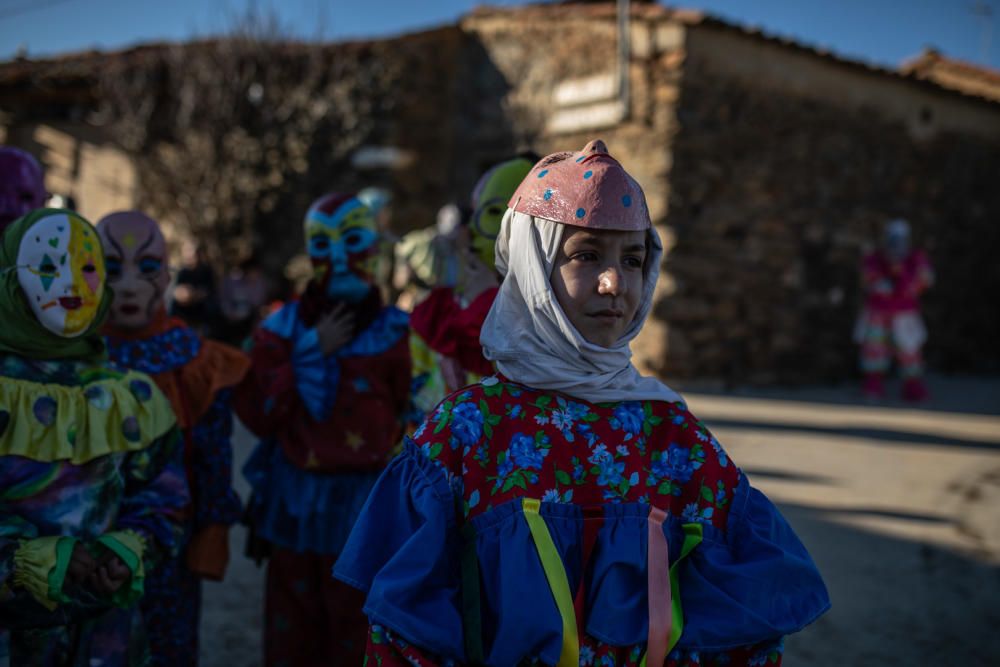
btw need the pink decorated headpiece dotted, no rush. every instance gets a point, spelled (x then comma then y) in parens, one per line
(587, 189)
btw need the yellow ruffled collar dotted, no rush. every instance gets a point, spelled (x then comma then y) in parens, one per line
(115, 412)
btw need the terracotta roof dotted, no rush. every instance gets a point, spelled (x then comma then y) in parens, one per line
(954, 73)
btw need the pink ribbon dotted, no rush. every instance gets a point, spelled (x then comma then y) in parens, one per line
(658, 573)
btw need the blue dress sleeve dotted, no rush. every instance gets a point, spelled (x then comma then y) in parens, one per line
(404, 552)
(756, 582)
(215, 499)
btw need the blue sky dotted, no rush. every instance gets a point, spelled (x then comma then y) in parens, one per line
(878, 31)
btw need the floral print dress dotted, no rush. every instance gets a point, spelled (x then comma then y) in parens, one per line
(529, 527)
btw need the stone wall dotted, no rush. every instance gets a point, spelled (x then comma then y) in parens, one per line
(318, 107)
(778, 190)
(768, 167)
(232, 139)
(536, 49)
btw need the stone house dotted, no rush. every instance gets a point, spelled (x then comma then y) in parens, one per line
(769, 166)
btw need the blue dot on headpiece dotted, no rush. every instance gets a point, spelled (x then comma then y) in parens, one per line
(588, 174)
(626, 201)
(548, 194)
(542, 173)
(580, 213)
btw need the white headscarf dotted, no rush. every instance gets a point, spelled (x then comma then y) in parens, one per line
(531, 340)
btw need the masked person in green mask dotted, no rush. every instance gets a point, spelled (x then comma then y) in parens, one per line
(444, 339)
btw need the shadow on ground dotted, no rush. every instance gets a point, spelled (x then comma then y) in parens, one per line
(895, 601)
(961, 394)
(884, 436)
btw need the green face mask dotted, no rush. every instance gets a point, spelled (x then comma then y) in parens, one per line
(490, 198)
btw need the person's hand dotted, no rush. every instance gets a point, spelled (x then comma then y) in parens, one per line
(476, 276)
(335, 329)
(183, 294)
(81, 565)
(110, 575)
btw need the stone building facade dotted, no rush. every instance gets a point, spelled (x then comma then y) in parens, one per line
(769, 167)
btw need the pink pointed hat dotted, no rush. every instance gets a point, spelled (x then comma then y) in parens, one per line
(587, 189)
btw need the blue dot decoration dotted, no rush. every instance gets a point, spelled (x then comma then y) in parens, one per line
(548, 194)
(130, 429)
(542, 173)
(98, 397)
(141, 390)
(45, 410)
(626, 201)
(580, 212)
(587, 174)
(581, 158)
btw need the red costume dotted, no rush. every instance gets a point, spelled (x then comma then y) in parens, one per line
(890, 325)
(328, 422)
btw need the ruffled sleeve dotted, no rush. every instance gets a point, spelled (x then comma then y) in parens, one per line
(453, 331)
(32, 581)
(757, 584)
(403, 553)
(40, 568)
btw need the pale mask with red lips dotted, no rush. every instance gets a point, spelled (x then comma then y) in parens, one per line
(60, 267)
(136, 256)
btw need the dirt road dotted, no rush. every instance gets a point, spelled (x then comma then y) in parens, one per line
(899, 507)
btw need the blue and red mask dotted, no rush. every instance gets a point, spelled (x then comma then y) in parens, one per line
(342, 242)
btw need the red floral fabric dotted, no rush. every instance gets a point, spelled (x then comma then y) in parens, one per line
(498, 441)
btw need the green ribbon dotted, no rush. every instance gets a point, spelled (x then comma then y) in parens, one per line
(472, 618)
(692, 538)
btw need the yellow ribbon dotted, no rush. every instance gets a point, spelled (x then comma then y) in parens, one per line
(555, 573)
